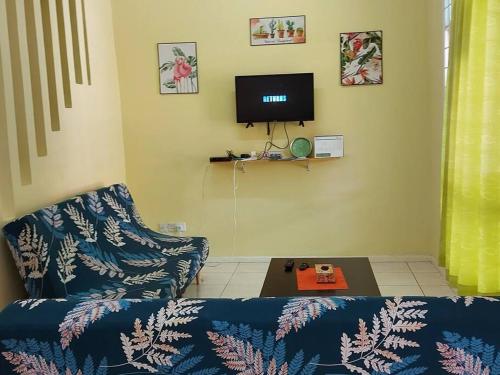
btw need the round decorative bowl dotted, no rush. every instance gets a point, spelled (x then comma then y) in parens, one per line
(300, 147)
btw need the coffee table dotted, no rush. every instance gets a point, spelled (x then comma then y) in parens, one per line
(357, 271)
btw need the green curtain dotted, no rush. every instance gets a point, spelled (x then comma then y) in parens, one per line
(470, 240)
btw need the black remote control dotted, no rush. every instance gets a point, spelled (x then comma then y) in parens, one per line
(289, 265)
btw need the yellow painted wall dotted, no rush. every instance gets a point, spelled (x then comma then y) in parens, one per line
(10, 285)
(436, 99)
(382, 198)
(87, 152)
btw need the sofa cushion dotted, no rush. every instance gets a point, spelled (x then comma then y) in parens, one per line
(96, 245)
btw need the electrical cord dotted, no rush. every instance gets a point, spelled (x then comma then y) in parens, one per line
(235, 221)
(203, 185)
(287, 138)
(270, 144)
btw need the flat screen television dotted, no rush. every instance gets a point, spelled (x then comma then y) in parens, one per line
(276, 97)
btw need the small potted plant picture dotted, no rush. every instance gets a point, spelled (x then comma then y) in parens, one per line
(272, 28)
(281, 29)
(290, 29)
(300, 32)
(260, 33)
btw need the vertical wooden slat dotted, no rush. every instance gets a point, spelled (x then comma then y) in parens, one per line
(86, 43)
(49, 64)
(6, 186)
(63, 52)
(76, 42)
(19, 102)
(36, 84)
(6, 193)
(3, 111)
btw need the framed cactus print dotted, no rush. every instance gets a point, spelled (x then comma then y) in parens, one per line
(361, 58)
(178, 68)
(277, 30)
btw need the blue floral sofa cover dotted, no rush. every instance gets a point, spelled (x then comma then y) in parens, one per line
(274, 336)
(96, 246)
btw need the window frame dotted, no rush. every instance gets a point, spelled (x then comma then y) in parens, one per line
(446, 36)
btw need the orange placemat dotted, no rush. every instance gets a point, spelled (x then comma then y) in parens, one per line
(306, 280)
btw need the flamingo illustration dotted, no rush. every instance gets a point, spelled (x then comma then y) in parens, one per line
(182, 70)
(178, 73)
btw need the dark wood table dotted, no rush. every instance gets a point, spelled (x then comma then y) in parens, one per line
(357, 271)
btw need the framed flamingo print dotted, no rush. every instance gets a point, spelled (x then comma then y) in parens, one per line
(178, 65)
(361, 58)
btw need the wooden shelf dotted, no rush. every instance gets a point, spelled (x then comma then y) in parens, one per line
(242, 163)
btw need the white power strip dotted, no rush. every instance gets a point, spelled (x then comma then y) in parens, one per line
(172, 228)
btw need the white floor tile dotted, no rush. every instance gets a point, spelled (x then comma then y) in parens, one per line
(255, 279)
(215, 278)
(241, 291)
(252, 267)
(219, 267)
(430, 278)
(400, 290)
(395, 278)
(442, 271)
(204, 291)
(423, 267)
(390, 267)
(437, 291)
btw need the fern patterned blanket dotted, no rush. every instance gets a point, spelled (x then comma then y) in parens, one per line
(275, 336)
(96, 246)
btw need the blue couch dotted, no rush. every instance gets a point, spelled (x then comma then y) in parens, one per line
(273, 336)
(96, 246)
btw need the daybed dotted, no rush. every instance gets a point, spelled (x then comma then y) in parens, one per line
(96, 245)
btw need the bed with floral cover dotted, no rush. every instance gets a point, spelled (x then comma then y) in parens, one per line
(272, 336)
(96, 245)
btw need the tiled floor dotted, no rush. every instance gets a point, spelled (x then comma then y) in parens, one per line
(233, 280)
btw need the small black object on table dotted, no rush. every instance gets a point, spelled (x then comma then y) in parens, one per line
(289, 265)
(303, 266)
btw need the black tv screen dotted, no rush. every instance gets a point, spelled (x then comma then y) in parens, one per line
(277, 97)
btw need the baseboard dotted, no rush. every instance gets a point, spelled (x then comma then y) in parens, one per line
(373, 258)
(215, 259)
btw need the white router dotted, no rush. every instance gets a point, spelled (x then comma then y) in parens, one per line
(329, 146)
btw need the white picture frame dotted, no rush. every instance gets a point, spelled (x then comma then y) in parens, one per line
(178, 68)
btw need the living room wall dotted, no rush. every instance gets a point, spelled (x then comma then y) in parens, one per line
(87, 151)
(382, 198)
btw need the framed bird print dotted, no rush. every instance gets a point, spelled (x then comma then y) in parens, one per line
(361, 58)
(178, 68)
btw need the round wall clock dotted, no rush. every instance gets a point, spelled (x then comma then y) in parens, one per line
(300, 147)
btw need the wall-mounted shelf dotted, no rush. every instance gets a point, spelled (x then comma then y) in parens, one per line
(241, 164)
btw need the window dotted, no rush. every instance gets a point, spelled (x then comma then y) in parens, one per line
(447, 22)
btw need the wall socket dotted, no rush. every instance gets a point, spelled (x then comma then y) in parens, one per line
(173, 227)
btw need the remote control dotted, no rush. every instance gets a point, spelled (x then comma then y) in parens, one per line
(289, 265)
